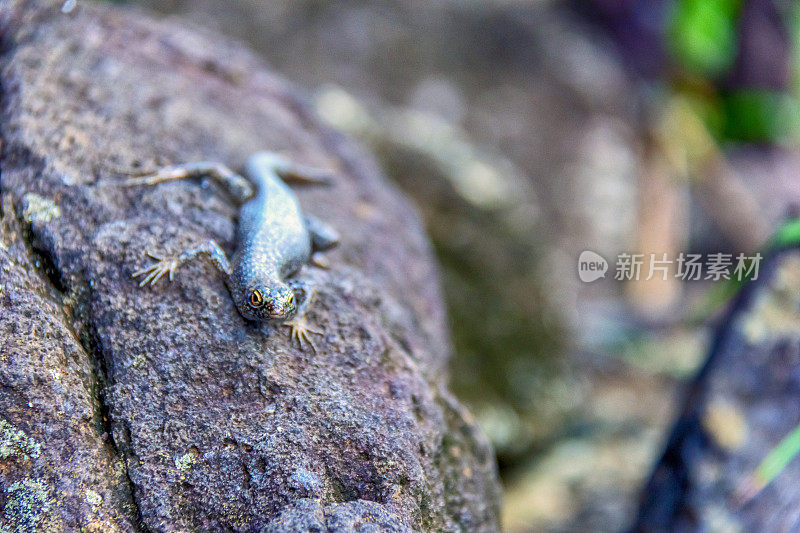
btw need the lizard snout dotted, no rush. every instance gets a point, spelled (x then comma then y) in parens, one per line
(278, 314)
(281, 310)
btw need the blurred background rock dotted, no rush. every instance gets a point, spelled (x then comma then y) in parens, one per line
(527, 132)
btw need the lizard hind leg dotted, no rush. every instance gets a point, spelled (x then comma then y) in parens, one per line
(234, 184)
(265, 162)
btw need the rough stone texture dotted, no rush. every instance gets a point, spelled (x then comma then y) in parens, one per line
(161, 408)
(55, 468)
(743, 403)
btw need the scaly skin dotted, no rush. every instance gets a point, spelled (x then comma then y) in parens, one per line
(274, 239)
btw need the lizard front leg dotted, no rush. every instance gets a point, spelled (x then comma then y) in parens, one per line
(300, 329)
(323, 236)
(168, 266)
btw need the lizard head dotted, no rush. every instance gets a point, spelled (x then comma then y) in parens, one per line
(263, 303)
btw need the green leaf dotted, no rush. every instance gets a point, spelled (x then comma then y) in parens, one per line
(758, 115)
(703, 34)
(778, 458)
(788, 234)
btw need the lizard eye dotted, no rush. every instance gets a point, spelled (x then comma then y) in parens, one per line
(256, 300)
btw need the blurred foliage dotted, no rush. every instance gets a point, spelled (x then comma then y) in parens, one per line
(759, 116)
(702, 35)
(704, 38)
(501, 327)
(777, 459)
(507, 335)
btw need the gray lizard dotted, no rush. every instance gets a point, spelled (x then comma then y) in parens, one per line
(274, 239)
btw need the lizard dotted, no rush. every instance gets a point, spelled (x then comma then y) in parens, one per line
(274, 239)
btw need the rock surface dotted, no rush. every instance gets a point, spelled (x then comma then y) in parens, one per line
(161, 409)
(743, 403)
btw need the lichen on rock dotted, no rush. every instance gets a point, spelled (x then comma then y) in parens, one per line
(38, 209)
(14, 442)
(27, 501)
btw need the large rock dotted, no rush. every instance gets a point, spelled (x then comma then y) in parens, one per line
(161, 408)
(743, 403)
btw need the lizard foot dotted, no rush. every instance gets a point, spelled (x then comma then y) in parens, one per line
(301, 331)
(155, 271)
